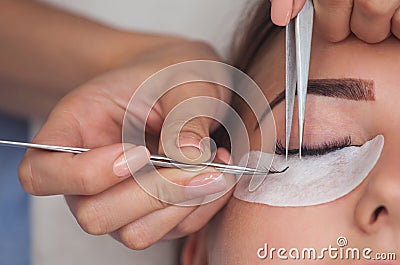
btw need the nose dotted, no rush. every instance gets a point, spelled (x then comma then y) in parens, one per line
(379, 204)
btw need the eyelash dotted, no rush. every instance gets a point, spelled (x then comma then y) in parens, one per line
(315, 150)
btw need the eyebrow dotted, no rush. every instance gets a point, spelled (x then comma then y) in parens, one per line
(345, 88)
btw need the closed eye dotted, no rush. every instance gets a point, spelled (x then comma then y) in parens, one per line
(315, 150)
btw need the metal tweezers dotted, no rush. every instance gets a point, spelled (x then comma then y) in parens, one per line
(298, 49)
(155, 160)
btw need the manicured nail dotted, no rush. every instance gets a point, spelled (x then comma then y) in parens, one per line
(281, 11)
(190, 145)
(133, 159)
(205, 184)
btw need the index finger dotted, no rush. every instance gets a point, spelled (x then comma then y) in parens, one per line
(284, 10)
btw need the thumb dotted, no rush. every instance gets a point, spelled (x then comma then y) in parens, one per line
(187, 141)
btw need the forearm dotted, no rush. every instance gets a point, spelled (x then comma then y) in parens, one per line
(27, 103)
(48, 52)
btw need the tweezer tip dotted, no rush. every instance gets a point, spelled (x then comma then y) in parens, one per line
(301, 140)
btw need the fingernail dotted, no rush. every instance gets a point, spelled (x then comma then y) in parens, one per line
(281, 11)
(205, 184)
(190, 145)
(288, 17)
(134, 158)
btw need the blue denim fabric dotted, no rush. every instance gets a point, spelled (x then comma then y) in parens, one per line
(14, 211)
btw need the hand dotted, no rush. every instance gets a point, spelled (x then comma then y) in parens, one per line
(370, 20)
(97, 184)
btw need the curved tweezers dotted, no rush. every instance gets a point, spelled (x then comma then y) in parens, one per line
(155, 160)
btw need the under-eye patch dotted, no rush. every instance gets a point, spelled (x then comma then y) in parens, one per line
(312, 180)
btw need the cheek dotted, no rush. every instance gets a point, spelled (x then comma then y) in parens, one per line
(242, 228)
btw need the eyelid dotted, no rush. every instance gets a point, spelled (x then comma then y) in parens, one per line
(316, 150)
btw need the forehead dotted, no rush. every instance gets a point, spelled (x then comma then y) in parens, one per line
(348, 59)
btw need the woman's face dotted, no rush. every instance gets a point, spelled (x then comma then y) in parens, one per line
(369, 217)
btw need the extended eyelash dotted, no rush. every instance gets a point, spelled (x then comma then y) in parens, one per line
(316, 150)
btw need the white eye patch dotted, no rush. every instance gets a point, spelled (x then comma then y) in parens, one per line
(312, 180)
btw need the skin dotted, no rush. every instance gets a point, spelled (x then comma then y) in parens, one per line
(101, 71)
(247, 226)
(35, 76)
(41, 59)
(370, 20)
(91, 116)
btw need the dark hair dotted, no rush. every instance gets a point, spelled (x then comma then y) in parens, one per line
(253, 36)
(250, 42)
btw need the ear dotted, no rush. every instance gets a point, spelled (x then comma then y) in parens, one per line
(194, 250)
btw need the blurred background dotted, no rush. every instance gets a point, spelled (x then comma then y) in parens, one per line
(56, 238)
